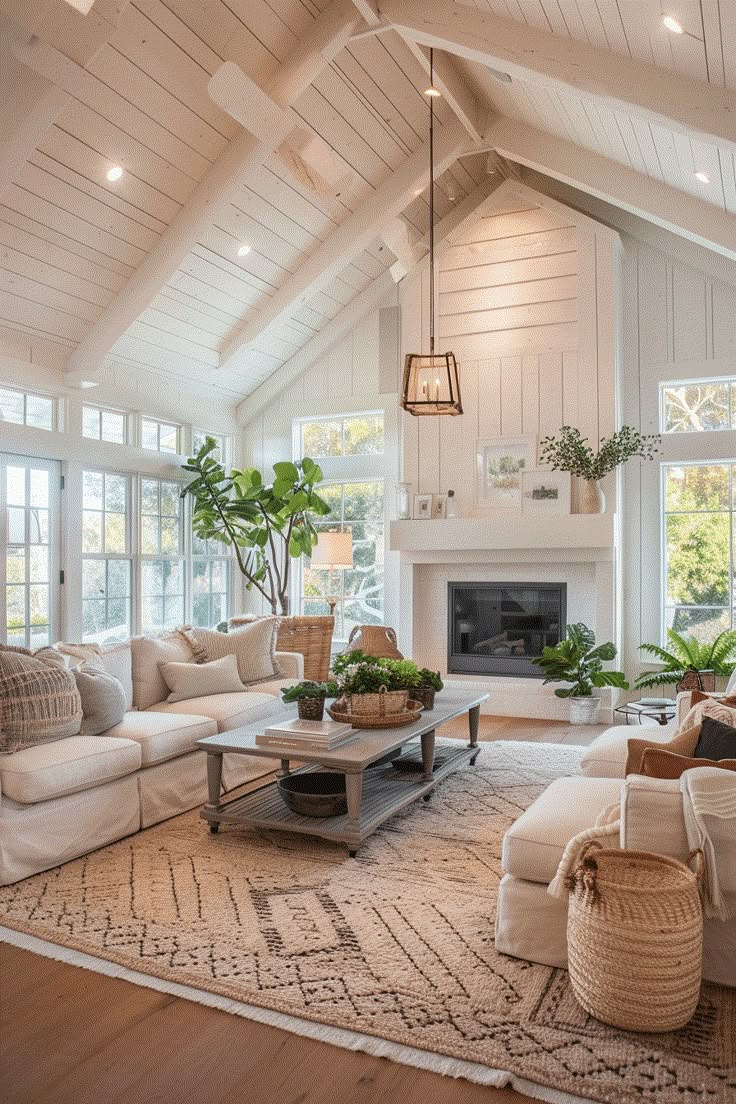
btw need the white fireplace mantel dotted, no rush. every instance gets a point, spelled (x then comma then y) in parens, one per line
(573, 537)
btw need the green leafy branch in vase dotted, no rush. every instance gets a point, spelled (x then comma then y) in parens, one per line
(569, 451)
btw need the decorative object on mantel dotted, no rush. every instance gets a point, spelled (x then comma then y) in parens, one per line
(691, 664)
(545, 492)
(569, 451)
(577, 661)
(333, 550)
(376, 641)
(451, 509)
(431, 381)
(403, 501)
(439, 506)
(500, 465)
(422, 507)
(266, 525)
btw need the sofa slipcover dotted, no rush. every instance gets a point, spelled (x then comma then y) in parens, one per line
(163, 736)
(78, 763)
(228, 710)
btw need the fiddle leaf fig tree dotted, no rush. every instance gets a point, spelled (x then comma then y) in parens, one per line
(266, 524)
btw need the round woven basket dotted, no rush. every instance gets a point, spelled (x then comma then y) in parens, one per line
(384, 712)
(635, 938)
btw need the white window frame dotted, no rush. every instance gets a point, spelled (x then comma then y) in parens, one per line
(131, 532)
(158, 422)
(108, 410)
(34, 394)
(696, 447)
(226, 438)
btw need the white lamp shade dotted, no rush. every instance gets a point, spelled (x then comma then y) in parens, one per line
(333, 550)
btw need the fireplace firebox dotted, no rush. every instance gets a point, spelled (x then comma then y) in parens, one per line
(499, 628)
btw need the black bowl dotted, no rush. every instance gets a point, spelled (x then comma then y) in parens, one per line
(314, 794)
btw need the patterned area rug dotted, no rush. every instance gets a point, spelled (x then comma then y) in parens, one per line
(397, 943)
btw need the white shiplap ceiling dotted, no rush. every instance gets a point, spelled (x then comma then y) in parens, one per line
(137, 96)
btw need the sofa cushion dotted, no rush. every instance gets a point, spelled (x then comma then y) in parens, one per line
(66, 767)
(606, 756)
(116, 659)
(148, 652)
(662, 763)
(103, 698)
(275, 686)
(533, 845)
(39, 699)
(228, 710)
(681, 744)
(198, 680)
(253, 645)
(163, 736)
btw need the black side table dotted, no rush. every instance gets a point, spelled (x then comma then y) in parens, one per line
(661, 709)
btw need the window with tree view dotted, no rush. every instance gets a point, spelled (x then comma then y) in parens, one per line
(699, 508)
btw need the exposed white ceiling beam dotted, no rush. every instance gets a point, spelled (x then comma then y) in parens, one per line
(32, 101)
(349, 239)
(659, 203)
(453, 87)
(530, 54)
(369, 10)
(325, 38)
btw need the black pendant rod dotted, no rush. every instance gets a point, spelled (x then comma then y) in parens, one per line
(431, 204)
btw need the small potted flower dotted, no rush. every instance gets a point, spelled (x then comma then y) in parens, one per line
(431, 684)
(309, 698)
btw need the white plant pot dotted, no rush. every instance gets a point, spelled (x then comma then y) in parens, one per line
(584, 711)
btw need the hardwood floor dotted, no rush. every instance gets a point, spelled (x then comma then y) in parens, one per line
(70, 1036)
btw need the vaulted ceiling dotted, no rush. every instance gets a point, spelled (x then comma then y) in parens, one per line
(224, 251)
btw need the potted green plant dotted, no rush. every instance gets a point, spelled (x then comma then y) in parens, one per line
(690, 664)
(431, 684)
(579, 662)
(569, 451)
(361, 684)
(309, 697)
(266, 524)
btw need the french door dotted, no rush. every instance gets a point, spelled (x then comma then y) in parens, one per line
(30, 538)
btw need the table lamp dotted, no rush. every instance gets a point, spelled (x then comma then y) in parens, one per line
(333, 550)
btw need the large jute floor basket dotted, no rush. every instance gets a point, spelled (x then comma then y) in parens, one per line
(635, 938)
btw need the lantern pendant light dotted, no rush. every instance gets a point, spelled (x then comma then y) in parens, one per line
(431, 381)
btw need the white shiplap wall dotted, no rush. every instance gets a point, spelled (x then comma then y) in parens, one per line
(527, 304)
(677, 322)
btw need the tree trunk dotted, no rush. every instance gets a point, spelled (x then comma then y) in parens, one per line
(285, 601)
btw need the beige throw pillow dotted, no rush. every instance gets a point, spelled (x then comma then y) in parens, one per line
(149, 686)
(103, 698)
(253, 645)
(197, 680)
(39, 699)
(117, 660)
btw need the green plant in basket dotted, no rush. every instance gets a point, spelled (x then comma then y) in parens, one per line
(431, 680)
(308, 689)
(365, 678)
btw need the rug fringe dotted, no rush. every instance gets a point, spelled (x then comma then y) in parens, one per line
(340, 1037)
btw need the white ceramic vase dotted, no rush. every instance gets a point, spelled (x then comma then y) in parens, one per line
(591, 499)
(584, 711)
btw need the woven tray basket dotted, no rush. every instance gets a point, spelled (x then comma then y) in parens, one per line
(635, 938)
(384, 712)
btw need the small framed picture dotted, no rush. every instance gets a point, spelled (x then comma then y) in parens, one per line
(545, 492)
(422, 507)
(439, 506)
(500, 464)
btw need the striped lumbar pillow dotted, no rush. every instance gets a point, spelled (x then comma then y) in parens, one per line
(253, 646)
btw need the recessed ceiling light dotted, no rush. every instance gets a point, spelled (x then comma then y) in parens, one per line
(702, 177)
(432, 90)
(671, 24)
(114, 173)
(243, 250)
(418, 191)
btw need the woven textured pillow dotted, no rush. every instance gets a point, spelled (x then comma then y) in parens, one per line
(197, 680)
(660, 763)
(103, 698)
(720, 709)
(39, 699)
(683, 743)
(253, 645)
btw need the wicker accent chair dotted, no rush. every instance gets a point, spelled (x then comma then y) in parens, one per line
(310, 636)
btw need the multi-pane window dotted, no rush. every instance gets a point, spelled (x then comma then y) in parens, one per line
(160, 436)
(211, 567)
(699, 532)
(102, 424)
(353, 435)
(356, 507)
(26, 408)
(698, 406)
(30, 522)
(162, 550)
(199, 436)
(107, 565)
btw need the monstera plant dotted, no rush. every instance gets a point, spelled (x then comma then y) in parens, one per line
(266, 524)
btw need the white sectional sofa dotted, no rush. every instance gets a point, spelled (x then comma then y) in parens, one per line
(531, 924)
(61, 800)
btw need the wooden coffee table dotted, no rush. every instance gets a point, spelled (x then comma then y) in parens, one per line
(372, 795)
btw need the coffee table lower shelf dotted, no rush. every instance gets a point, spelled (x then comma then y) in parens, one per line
(385, 792)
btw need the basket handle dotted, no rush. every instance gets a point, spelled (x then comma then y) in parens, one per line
(585, 875)
(698, 855)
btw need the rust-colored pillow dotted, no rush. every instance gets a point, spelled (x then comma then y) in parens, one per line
(700, 696)
(661, 763)
(682, 744)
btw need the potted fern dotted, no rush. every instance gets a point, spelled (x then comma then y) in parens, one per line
(578, 662)
(689, 664)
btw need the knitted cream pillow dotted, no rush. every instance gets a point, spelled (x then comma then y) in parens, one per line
(253, 645)
(39, 699)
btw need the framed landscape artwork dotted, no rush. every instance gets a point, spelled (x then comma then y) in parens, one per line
(545, 492)
(500, 465)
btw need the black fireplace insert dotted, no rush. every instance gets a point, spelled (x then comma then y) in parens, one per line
(499, 628)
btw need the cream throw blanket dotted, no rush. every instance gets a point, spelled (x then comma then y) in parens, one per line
(709, 808)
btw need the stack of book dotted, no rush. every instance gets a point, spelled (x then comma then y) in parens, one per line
(298, 735)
